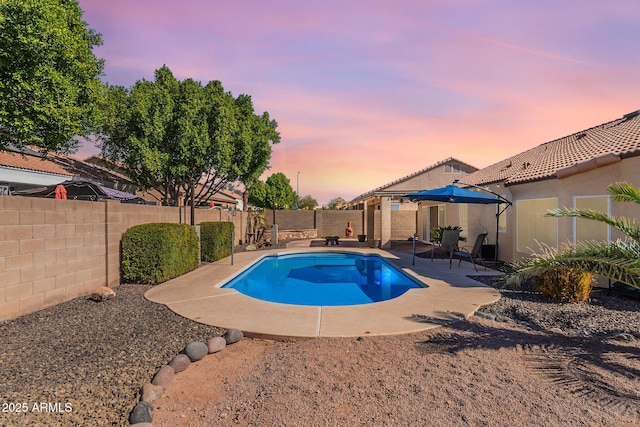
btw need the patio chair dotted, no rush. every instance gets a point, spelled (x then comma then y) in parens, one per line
(472, 254)
(448, 245)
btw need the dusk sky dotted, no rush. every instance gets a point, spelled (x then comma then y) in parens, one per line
(366, 92)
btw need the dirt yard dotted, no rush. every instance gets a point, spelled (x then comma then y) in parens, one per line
(477, 372)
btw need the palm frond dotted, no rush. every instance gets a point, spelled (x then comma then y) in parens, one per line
(624, 192)
(618, 261)
(627, 226)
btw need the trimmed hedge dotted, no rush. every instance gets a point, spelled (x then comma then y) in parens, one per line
(154, 253)
(215, 240)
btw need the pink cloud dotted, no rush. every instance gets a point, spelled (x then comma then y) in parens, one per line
(378, 90)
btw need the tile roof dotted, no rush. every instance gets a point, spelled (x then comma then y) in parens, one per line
(594, 146)
(381, 189)
(60, 164)
(31, 163)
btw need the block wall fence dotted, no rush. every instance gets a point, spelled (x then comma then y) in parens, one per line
(56, 250)
(334, 222)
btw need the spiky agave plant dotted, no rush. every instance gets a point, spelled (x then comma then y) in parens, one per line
(618, 260)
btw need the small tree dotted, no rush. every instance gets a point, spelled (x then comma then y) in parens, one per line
(337, 203)
(618, 261)
(275, 193)
(49, 76)
(307, 203)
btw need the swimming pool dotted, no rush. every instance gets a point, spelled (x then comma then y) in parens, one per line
(323, 279)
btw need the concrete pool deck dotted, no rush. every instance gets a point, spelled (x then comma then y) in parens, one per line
(450, 296)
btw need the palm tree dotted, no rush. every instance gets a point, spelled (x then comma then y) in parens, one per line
(618, 260)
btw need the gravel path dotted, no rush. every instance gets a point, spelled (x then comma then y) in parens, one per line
(87, 361)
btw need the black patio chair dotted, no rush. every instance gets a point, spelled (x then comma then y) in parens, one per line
(472, 254)
(448, 245)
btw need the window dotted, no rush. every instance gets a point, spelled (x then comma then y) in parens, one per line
(589, 230)
(533, 227)
(452, 168)
(395, 206)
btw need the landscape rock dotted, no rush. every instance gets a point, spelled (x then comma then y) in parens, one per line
(485, 315)
(233, 336)
(151, 393)
(142, 413)
(180, 362)
(624, 337)
(250, 247)
(216, 344)
(164, 376)
(196, 350)
(102, 293)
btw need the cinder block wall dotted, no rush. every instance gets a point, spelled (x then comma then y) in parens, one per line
(55, 250)
(327, 222)
(292, 220)
(334, 223)
(403, 224)
(50, 251)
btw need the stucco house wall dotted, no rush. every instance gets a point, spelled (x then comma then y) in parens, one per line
(565, 191)
(383, 204)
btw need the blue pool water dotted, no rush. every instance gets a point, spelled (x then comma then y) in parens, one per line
(323, 279)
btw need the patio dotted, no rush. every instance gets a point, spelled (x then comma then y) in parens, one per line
(450, 296)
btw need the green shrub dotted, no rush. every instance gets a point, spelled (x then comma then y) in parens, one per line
(565, 284)
(436, 232)
(154, 253)
(216, 240)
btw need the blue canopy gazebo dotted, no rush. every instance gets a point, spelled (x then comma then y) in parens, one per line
(454, 194)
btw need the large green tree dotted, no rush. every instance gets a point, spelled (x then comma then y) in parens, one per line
(49, 76)
(618, 260)
(184, 139)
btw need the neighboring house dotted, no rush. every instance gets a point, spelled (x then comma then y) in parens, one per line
(390, 216)
(573, 171)
(21, 169)
(223, 199)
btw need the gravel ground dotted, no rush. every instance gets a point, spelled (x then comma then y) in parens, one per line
(86, 361)
(604, 314)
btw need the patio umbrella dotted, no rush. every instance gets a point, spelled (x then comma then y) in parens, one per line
(454, 194)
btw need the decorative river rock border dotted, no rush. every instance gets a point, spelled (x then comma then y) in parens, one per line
(142, 413)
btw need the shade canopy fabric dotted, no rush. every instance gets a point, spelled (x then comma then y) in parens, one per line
(81, 190)
(454, 194)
